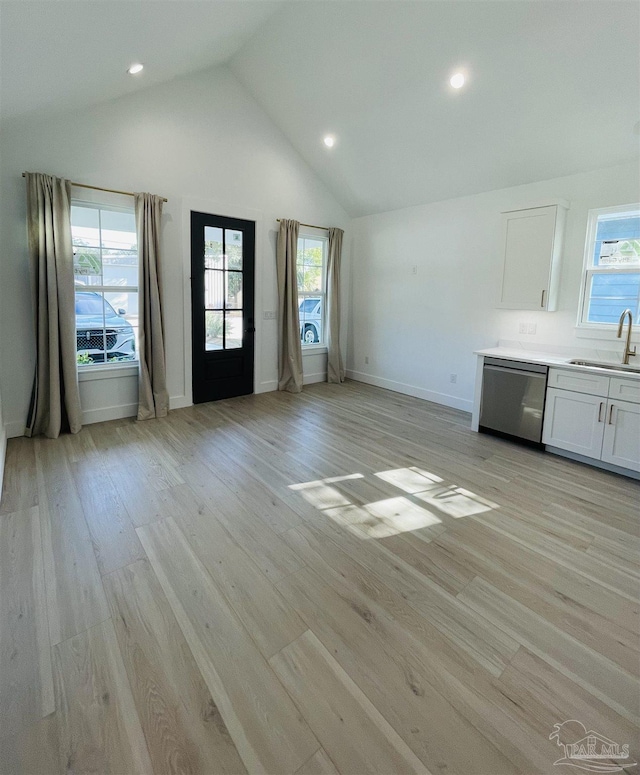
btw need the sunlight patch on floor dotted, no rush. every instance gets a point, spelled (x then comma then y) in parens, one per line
(383, 518)
(410, 479)
(456, 501)
(391, 516)
(452, 500)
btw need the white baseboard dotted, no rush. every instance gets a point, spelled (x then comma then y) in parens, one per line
(179, 402)
(109, 413)
(310, 379)
(267, 387)
(14, 429)
(411, 390)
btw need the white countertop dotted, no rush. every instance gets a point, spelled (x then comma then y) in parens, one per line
(553, 359)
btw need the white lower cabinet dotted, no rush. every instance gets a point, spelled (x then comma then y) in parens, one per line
(574, 421)
(595, 426)
(621, 443)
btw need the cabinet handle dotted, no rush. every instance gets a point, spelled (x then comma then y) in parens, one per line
(542, 299)
(600, 411)
(611, 414)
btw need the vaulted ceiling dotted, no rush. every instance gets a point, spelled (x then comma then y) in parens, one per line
(59, 54)
(553, 87)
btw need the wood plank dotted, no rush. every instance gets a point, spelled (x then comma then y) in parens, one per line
(480, 544)
(267, 549)
(594, 672)
(549, 590)
(182, 725)
(99, 729)
(444, 571)
(549, 697)
(318, 764)
(261, 608)
(75, 597)
(34, 750)
(26, 677)
(561, 548)
(413, 684)
(113, 535)
(460, 624)
(155, 463)
(351, 730)
(143, 503)
(607, 575)
(241, 682)
(19, 488)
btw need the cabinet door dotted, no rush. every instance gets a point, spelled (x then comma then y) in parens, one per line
(621, 445)
(528, 245)
(574, 421)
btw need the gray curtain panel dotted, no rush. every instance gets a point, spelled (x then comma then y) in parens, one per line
(335, 366)
(153, 399)
(289, 345)
(55, 400)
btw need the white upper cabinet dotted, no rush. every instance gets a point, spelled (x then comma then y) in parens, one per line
(531, 252)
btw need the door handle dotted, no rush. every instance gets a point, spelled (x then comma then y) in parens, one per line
(611, 414)
(600, 411)
(250, 330)
(542, 299)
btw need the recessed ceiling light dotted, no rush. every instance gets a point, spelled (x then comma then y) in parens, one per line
(135, 68)
(457, 80)
(329, 141)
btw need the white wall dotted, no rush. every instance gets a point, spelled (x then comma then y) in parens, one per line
(199, 140)
(418, 329)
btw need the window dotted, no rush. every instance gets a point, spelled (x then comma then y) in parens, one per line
(105, 261)
(611, 281)
(311, 269)
(223, 278)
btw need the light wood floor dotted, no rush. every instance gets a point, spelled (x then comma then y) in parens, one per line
(347, 580)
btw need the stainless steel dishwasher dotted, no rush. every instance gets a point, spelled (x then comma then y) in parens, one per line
(513, 395)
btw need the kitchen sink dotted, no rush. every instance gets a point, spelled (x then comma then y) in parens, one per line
(611, 366)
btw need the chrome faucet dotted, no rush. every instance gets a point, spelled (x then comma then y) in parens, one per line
(627, 347)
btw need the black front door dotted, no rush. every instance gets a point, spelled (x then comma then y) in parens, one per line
(222, 280)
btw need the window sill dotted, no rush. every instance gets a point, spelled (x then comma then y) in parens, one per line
(107, 371)
(314, 349)
(604, 332)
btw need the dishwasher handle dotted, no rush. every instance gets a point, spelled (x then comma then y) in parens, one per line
(523, 372)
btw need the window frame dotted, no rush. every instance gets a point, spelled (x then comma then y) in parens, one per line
(312, 234)
(97, 370)
(589, 270)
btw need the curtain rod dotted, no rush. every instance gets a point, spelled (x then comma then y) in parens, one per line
(99, 188)
(309, 225)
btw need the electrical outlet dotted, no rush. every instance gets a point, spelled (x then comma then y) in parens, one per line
(268, 315)
(531, 328)
(366, 360)
(453, 378)
(522, 329)
(414, 269)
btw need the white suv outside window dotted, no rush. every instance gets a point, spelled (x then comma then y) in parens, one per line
(311, 269)
(310, 312)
